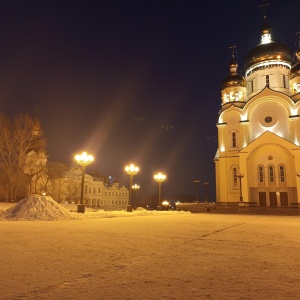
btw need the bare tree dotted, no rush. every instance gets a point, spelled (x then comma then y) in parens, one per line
(18, 137)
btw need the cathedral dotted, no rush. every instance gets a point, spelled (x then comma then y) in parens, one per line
(257, 162)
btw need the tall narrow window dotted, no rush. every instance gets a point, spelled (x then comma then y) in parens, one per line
(271, 173)
(267, 80)
(252, 86)
(283, 81)
(233, 139)
(261, 174)
(234, 178)
(282, 173)
(85, 189)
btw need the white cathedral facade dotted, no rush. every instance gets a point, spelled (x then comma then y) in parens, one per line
(258, 158)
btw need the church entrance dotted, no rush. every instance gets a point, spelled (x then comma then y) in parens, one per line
(262, 199)
(284, 199)
(273, 199)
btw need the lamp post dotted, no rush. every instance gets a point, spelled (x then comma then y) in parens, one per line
(197, 183)
(84, 160)
(131, 170)
(165, 204)
(135, 188)
(240, 176)
(206, 190)
(159, 177)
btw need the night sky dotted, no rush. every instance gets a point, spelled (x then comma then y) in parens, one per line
(131, 81)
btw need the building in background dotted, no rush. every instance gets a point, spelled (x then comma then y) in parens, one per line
(66, 185)
(258, 158)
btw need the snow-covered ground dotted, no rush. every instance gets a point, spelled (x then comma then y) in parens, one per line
(149, 255)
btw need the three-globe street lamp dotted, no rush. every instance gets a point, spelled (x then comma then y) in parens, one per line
(240, 176)
(206, 190)
(159, 177)
(84, 160)
(131, 170)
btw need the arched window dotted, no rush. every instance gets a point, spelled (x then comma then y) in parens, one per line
(282, 173)
(234, 177)
(233, 139)
(271, 174)
(261, 174)
(85, 189)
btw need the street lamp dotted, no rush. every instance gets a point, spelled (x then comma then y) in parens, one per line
(165, 205)
(240, 176)
(135, 188)
(84, 160)
(197, 183)
(131, 170)
(159, 177)
(206, 190)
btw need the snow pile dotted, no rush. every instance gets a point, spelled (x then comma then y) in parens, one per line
(36, 207)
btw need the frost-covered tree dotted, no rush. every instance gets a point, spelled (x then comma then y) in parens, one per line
(19, 136)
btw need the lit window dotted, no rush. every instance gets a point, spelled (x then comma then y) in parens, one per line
(282, 173)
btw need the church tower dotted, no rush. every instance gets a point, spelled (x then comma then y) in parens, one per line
(258, 158)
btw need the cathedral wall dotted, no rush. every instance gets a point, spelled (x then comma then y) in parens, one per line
(269, 116)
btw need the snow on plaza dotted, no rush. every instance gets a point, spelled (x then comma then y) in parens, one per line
(51, 252)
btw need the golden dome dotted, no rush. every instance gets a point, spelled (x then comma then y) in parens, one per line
(234, 79)
(267, 52)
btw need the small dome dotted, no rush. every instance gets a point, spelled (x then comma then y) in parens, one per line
(234, 79)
